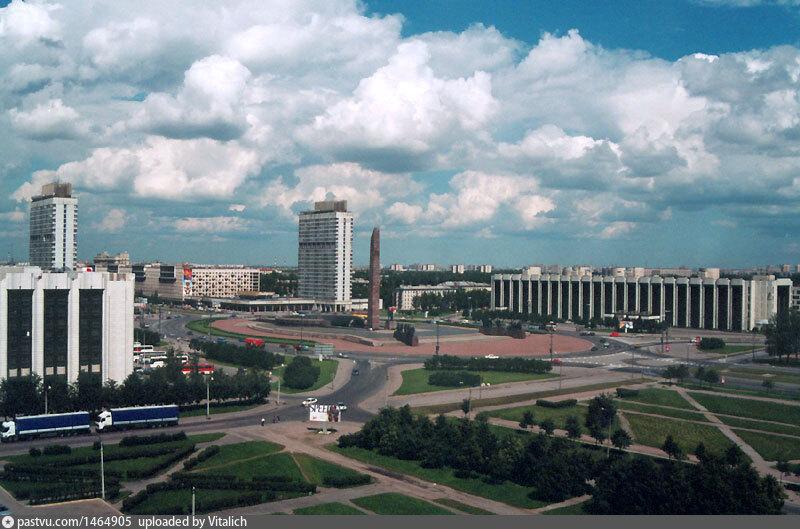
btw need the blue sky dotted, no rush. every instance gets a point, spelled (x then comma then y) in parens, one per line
(635, 133)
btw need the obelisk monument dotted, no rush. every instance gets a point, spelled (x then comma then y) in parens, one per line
(373, 315)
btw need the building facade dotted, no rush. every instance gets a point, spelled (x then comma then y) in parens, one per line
(325, 255)
(54, 228)
(404, 295)
(700, 303)
(104, 259)
(64, 323)
(215, 282)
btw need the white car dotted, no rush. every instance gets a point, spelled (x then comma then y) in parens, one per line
(309, 402)
(492, 357)
(341, 405)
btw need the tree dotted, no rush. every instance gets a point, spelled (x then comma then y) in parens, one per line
(300, 373)
(600, 416)
(711, 376)
(783, 467)
(672, 449)
(768, 384)
(548, 426)
(21, 395)
(701, 452)
(783, 334)
(680, 372)
(573, 427)
(734, 456)
(621, 439)
(527, 420)
(466, 406)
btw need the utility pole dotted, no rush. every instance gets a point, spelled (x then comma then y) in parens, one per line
(193, 495)
(551, 346)
(437, 337)
(102, 473)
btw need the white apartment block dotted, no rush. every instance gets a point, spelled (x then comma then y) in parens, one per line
(223, 282)
(54, 228)
(404, 295)
(325, 255)
(64, 323)
(457, 269)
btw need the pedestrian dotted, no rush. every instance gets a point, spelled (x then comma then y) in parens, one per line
(263, 420)
(279, 418)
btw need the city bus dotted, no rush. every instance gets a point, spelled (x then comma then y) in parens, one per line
(205, 369)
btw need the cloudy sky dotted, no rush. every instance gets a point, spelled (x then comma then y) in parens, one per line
(517, 132)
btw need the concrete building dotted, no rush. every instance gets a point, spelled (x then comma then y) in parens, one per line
(104, 259)
(457, 269)
(54, 228)
(404, 295)
(217, 282)
(64, 323)
(325, 255)
(796, 297)
(700, 303)
(397, 268)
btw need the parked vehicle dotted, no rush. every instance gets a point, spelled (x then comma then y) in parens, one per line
(43, 425)
(341, 405)
(492, 357)
(355, 371)
(221, 340)
(137, 417)
(309, 402)
(254, 342)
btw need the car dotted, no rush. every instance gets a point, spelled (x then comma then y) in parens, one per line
(606, 345)
(342, 355)
(492, 357)
(557, 362)
(4, 511)
(594, 348)
(342, 406)
(308, 402)
(189, 333)
(355, 371)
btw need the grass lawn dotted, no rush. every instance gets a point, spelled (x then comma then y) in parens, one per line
(327, 370)
(521, 397)
(753, 409)
(759, 374)
(327, 508)
(280, 464)
(771, 447)
(394, 503)
(158, 501)
(570, 509)
(761, 425)
(316, 470)
(236, 452)
(661, 397)
(463, 507)
(658, 410)
(540, 413)
(206, 437)
(508, 492)
(730, 349)
(203, 327)
(774, 394)
(416, 380)
(215, 411)
(652, 431)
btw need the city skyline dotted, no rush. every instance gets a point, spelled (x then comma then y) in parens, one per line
(613, 135)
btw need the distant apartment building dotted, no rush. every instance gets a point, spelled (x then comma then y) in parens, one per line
(325, 255)
(457, 269)
(63, 323)
(397, 268)
(696, 302)
(796, 297)
(404, 295)
(54, 228)
(104, 259)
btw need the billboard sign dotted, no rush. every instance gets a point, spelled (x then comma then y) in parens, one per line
(324, 413)
(187, 281)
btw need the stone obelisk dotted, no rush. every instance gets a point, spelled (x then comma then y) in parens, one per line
(373, 315)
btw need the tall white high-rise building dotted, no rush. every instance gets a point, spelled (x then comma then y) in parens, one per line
(54, 228)
(325, 254)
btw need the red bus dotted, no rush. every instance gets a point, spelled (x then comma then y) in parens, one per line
(254, 342)
(205, 369)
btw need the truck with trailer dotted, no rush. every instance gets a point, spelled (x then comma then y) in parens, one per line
(33, 426)
(137, 417)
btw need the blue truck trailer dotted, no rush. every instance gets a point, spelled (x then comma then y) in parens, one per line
(42, 425)
(137, 417)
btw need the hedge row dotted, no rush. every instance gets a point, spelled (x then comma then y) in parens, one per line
(567, 403)
(69, 493)
(158, 466)
(136, 440)
(274, 483)
(627, 392)
(454, 379)
(341, 482)
(513, 365)
(223, 404)
(202, 456)
(133, 453)
(39, 473)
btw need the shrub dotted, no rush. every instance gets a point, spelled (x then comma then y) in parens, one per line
(209, 452)
(513, 365)
(300, 373)
(341, 482)
(136, 440)
(96, 445)
(34, 452)
(627, 392)
(54, 450)
(567, 403)
(712, 343)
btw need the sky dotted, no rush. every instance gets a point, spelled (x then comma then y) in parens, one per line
(630, 133)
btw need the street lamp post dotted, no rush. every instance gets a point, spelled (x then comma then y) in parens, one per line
(551, 346)
(470, 306)
(208, 396)
(437, 337)
(193, 495)
(102, 471)
(45, 398)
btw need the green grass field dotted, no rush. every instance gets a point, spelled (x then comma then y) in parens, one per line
(335, 508)
(661, 397)
(773, 394)
(752, 409)
(569, 510)
(652, 431)
(463, 507)
(759, 374)
(236, 452)
(216, 411)
(394, 503)
(771, 447)
(416, 380)
(508, 492)
(658, 410)
(327, 370)
(280, 464)
(166, 499)
(761, 425)
(316, 470)
(521, 397)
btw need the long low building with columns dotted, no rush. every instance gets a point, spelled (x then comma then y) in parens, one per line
(699, 303)
(59, 324)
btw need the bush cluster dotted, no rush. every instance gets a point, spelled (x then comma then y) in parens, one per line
(566, 403)
(341, 482)
(223, 404)
(68, 492)
(56, 450)
(230, 353)
(513, 365)
(145, 471)
(406, 333)
(209, 452)
(137, 440)
(454, 379)
(712, 343)
(301, 373)
(627, 392)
